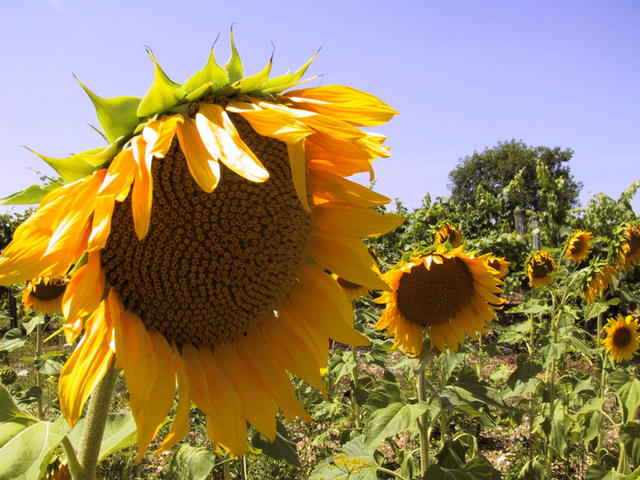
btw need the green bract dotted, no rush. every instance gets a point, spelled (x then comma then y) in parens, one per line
(122, 117)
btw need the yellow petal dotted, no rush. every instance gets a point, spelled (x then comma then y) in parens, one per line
(347, 257)
(353, 222)
(85, 290)
(180, 426)
(223, 142)
(270, 123)
(142, 194)
(228, 424)
(101, 223)
(86, 366)
(298, 165)
(159, 134)
(329, 187)
(120, 176)
(204, 169)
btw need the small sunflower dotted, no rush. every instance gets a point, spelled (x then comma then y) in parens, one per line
(448, 233)
(623, 338)
(353, 291)
(445, 295)
(198, 242)
(539, 269)
(629, 249)
(579, 246)
(44, 294)
(599, 283)
(499, 264)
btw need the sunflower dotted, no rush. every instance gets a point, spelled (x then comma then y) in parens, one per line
(499, 264)
(579, 246)
(448, 233)
(623, 338)
(600, 282)
(44, 294)
(539, 269)
(197, 246)
(353, 291)
(629, 249)
(445, 294)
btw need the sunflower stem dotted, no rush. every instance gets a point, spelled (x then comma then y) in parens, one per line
(603, 357)
(37, 365)
(356, 386)
(423, 423)
(94, 426)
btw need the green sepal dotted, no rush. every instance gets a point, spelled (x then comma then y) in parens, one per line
(234, 65)
(97, 157)
(30, 195)
(116, 115)
(211, 72)
(70, 169)
(200, 92)
(283, 82)
(163, 94)
(250, 84)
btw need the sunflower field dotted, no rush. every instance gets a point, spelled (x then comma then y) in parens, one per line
(209, 296)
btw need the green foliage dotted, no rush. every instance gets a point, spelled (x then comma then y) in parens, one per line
(495, 168)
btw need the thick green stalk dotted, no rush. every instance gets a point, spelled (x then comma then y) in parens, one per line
(602, 391)
(94, 426)
(423, 423)
(357, 414)
(37, 365)
(552, 392)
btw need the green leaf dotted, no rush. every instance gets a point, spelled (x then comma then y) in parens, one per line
(435, 472)
(119, 433)
(116, 115)
(558, 435)
(70, 169)
(629, 391)
(452, 454)
(33, 323)
(191, 463)
(211, 72)
(391, 420)
(479, 468)
(98, 156)
(526, 371)
(533, 469)
(596, 472)
(283, 82)
(234, 65)
(355, 462)
(12, 340)
(630, 436)
(163, 94)
(30, 195)
(281, 449)
(26, 455)
(12, 419)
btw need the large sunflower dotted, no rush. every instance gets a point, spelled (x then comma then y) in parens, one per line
(198, 242)
(579, 246)
(448, 233)
(629, 249)
(45, 294)
(599, 282)
(445, 295)
(539, 269)
(623, 338)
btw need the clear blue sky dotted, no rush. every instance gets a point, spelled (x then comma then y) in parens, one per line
(463, 74)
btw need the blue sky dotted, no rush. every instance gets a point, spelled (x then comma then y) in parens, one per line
(463, 75)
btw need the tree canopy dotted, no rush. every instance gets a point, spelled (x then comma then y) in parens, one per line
(494, 168)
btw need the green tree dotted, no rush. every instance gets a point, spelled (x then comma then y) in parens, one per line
(494, 168)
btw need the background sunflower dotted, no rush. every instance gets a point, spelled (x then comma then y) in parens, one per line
(540, 266)
(445, 295)
(622, 339)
